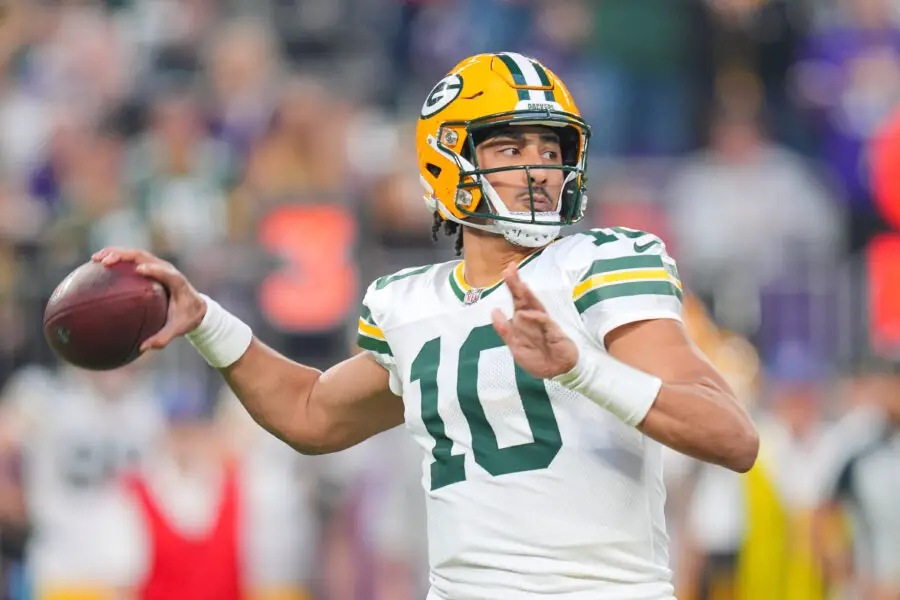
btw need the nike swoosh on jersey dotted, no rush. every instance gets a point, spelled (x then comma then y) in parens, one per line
(643, 248)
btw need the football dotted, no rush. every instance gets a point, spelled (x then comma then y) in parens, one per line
(98, 316)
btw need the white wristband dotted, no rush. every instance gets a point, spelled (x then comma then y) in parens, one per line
(621, 389)
(221, 338)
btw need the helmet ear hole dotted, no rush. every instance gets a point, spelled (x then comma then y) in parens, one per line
(434, 170)
(570, 142)
(571, 205)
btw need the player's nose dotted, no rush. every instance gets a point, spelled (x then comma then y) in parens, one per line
(536, 175)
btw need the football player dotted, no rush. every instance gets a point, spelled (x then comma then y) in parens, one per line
(540, 374)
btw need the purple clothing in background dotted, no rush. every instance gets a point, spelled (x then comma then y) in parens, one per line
(851, 79)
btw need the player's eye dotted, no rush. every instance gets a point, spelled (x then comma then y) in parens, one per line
(551, 155)
(510, 151)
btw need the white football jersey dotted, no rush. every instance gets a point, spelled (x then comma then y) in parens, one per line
(532, 489)
(75, 444)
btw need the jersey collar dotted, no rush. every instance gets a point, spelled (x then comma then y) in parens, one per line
(469, 295)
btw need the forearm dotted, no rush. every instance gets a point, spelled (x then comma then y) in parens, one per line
(687, 407)
(311, 411)
(704, 421)
(276, 391)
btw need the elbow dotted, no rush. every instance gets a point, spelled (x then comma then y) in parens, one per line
(744, 450)
(309, 445)
(310, 431)
(311, 450)
(310, 442)
(316, 434)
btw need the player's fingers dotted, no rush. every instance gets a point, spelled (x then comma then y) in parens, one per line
(163, 273)
(161, 338)
(109, 251)
(154, 342)
(515, 285)
(501, 324)
(534, 318)
(114, 255)
(99, 254)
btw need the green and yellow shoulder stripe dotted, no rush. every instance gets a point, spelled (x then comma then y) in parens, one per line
(652, 273)
(370, 336)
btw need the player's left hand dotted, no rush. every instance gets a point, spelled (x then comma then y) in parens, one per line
(536, 341)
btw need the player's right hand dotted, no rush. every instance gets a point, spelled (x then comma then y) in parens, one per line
(186, 307)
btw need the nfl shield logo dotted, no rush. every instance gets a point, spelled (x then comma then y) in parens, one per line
(473, 295)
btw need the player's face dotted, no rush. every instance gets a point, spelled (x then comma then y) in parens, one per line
(522, 145)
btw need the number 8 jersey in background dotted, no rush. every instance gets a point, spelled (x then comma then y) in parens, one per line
(532, 489)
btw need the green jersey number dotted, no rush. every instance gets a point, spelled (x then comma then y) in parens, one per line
(449, 468)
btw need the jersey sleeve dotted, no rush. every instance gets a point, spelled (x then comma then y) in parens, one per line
(370, 338)
(628, 277)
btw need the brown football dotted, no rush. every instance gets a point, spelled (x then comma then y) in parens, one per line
(98, 316)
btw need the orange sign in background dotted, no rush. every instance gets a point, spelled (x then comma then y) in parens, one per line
(316, 289)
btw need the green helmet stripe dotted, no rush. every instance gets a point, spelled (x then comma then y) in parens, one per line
(542, 75)
(514, 70)
(517, 75)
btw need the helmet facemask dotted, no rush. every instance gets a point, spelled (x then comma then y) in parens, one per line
(476, 198)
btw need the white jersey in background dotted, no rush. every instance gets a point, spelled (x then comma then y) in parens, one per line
(75, 444)
(532, 489)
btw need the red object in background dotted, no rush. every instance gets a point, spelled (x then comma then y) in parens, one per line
(883, 252)
(201, 568)
(885, 162)
(883, 261)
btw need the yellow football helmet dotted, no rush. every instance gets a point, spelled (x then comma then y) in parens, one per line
(478, 95)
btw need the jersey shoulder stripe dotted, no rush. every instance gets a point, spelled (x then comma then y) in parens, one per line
(626, 276)
(621, 275)
(380, 297)
(370, 337)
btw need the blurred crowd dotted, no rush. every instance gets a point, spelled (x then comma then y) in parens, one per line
(266, 148)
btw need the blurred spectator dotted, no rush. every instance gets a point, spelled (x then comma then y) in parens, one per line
(266, 147)
(243, 68)
(180, 514)
(705, 507)
(858, 521)
(756, 42)
(300, 158)
(81, 62)
(745, 211)
(180, 177)
(221, 509)
(76, 432)
(287, 497)
(644, 51)
(849, 78)
(65, 138)
(756, 532)
(96, 208)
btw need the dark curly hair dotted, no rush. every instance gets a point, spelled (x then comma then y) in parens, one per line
(450, 228)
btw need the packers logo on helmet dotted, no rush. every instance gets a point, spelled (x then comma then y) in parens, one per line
(476, 97)
(446, 91)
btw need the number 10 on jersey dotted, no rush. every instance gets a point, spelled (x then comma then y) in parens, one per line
(449, 468)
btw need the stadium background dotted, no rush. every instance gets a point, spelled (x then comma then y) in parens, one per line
(266, 148)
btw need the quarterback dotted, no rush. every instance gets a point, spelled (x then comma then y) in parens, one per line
(540, 374)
